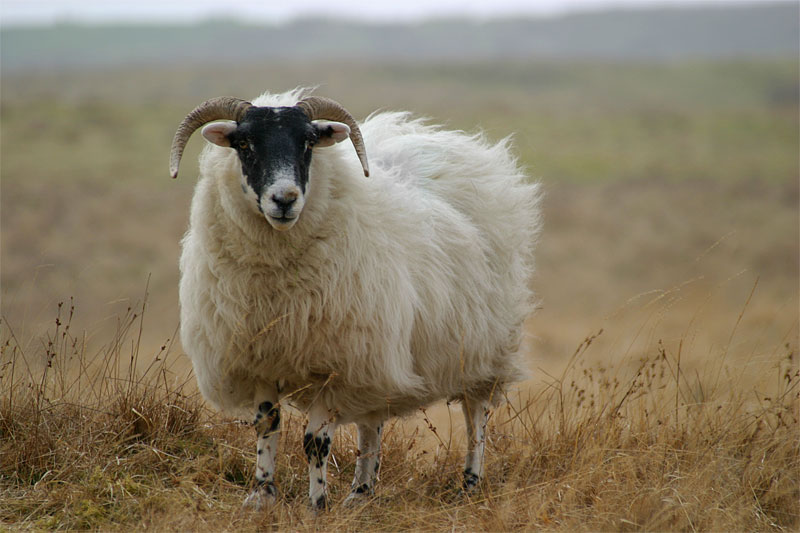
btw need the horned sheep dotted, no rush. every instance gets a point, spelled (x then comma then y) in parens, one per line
(353, 299)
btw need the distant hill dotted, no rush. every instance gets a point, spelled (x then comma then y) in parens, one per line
(753, 31)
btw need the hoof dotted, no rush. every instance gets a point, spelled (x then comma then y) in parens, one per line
(358, 496)
(471, 483)
(320, 504)
(261, 498)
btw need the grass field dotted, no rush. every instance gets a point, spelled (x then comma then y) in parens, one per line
(664, 358)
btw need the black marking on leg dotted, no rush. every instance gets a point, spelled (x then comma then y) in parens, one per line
(308, 442)
(364, 488)
(259, 452)
(316, 448)
(273, 415)
(377, 465)
(271, 411)
(324, 449)
(471, 479)
(320, 480)
(267, 486)
(276, 420)
(321, 503)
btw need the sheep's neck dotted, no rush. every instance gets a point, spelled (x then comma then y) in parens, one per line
(248, 236)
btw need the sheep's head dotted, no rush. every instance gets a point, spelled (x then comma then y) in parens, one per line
(274, 146)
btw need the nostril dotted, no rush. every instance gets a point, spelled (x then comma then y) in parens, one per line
(283, 202)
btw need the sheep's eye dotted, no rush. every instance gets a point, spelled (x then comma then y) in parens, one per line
(244, 145)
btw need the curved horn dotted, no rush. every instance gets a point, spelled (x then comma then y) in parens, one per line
(317, 107)
(223, 107)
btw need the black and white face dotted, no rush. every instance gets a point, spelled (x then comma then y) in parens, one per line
(274, 145)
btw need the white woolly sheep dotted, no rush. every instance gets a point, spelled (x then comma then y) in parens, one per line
(353, 299)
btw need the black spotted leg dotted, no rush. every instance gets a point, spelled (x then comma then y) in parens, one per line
(268, 426)
(317, 445)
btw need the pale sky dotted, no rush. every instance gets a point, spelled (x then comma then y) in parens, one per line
(48, 11)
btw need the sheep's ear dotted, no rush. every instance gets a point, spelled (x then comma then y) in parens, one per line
(217, 133)
(331, 132)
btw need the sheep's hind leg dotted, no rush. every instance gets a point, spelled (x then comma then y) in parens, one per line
(367, 462)
(268, 426)
(476, 414)
(317, 445)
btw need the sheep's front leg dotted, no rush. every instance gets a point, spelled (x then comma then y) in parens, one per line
(268, 426)
(368, 460)
(317, 445)
(476, 413)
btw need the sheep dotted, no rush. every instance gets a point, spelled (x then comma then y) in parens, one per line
(353, 299)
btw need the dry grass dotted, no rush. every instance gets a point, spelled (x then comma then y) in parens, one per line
(90, 442)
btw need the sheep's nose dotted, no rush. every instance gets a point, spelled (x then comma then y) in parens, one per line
(284, 202)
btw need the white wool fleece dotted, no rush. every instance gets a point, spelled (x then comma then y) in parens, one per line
(390, 292)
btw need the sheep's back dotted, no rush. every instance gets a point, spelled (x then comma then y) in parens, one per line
(469, 323)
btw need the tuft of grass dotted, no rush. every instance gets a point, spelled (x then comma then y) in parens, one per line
(87, 440)
(649, 447)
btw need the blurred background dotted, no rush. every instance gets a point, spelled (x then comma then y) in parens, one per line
(665, 135)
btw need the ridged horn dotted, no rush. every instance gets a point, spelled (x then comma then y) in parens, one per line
(221, 108)
(318, 107)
